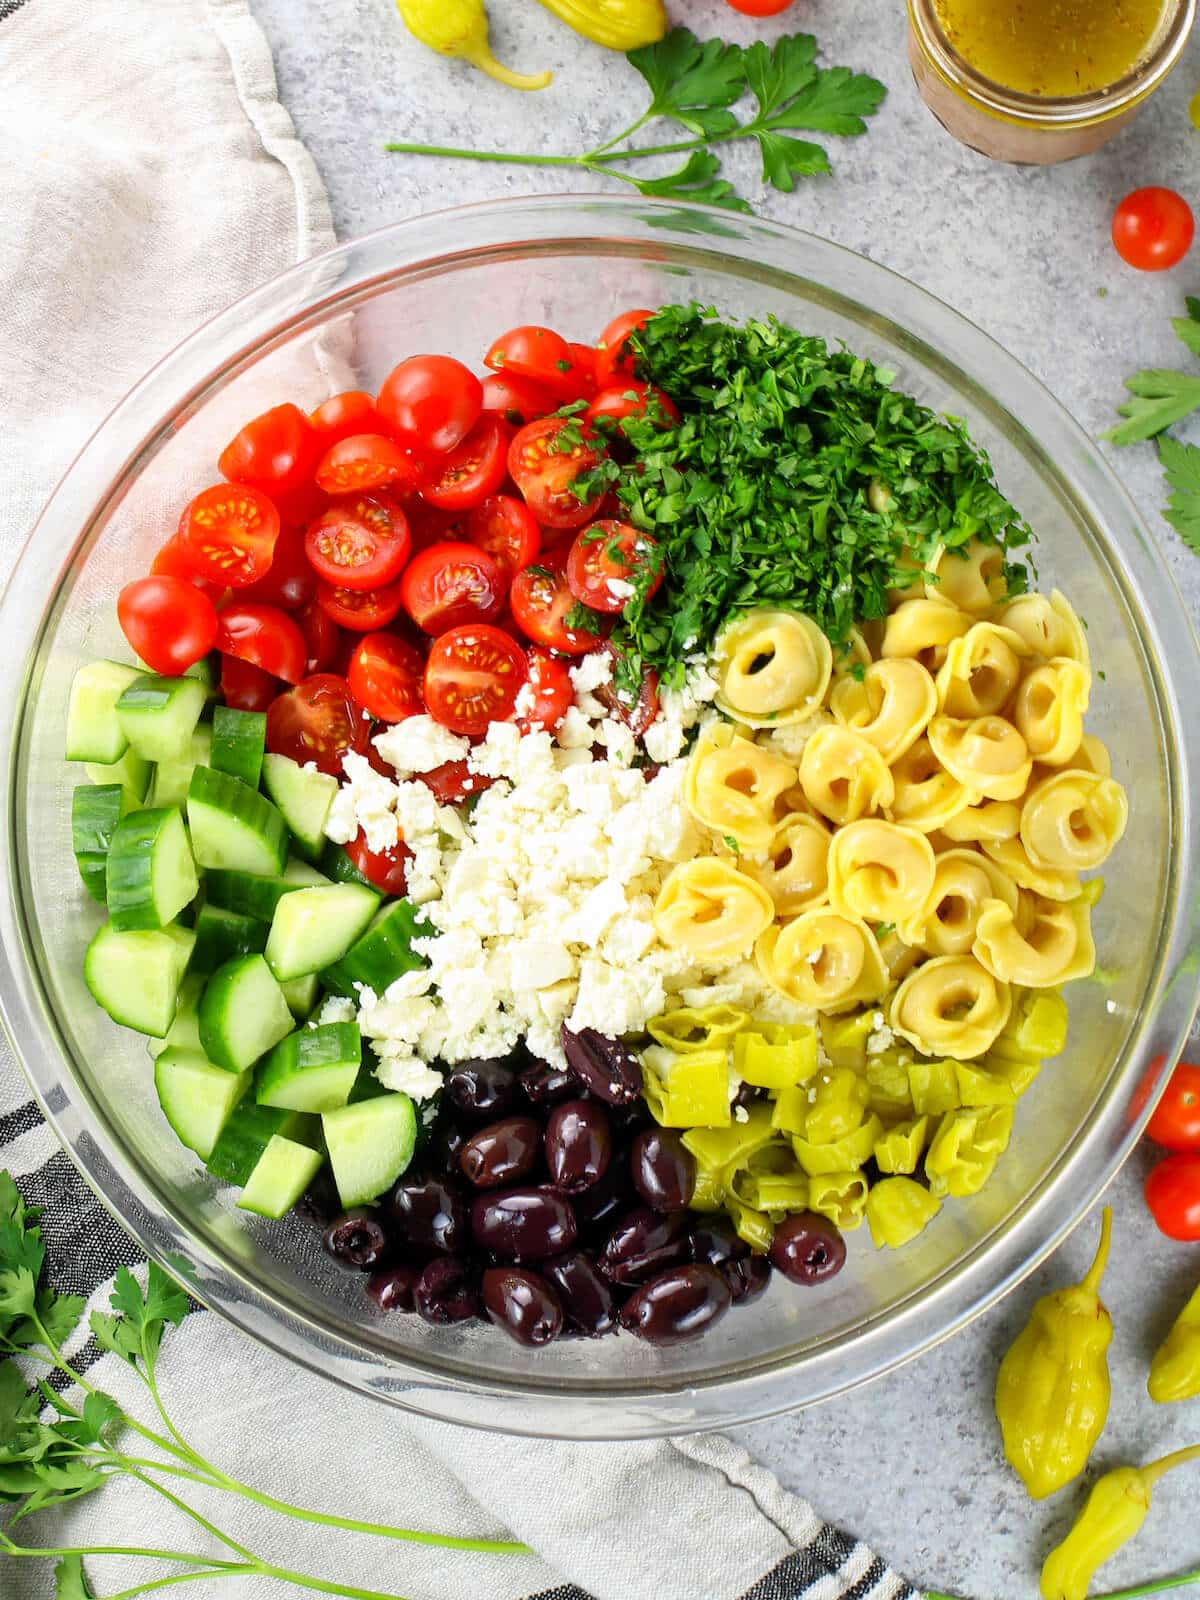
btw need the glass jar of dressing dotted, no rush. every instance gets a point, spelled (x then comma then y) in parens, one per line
(1040, 81)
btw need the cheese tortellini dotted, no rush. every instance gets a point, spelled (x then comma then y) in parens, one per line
(772, 667)
(1048, 945)
(922, 630)
(951, 1006)
(1072, 821)
(964, 881)
(823, 960)
(712, 910)
(890, 706)
(1049, 710)
(880, 872)
(925, 796)
(733, 786)
(1048, 626)
(843, 775)
(987, 755)
(796, 870)
(980, 672)
(970, 577)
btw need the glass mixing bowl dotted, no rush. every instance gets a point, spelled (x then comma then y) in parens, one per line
(449, 282)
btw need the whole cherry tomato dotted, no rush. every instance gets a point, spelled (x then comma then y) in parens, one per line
(536, 353)
(450, 584)
(1153, 229)
(517, 400)
(631, 398)
(168, 622)
(318, 721)
(385, 675)
(1173, 1195)
(430, 403)
(386, 869)
(344, 414)
(229, 533)
(472, 677)
(264, 636)
(1176, 1121)
(274, 452)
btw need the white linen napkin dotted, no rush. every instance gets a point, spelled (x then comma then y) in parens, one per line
(148, 176)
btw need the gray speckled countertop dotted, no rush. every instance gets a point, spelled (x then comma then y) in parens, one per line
(912, 1462)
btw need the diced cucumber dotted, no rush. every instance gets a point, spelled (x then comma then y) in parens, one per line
(367, 1086)
(94, 730)
(159, 715)
(245, 1137)
(150, 875)
(302, 995)
(304, 797)
(221, 935)
(131, 772)
(233, 826)
(171, 780)
(184, 1032)
(95, 813)
(336, 864)
(135, 975)
(256, 896)
(197, 1098)
(313, 928)
(242, 1013)
(239, 739)
(311, 1070)
(370, 1144)
(383, 953)
(282, 1174)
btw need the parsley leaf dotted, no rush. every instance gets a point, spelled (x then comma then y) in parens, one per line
(785, 159)
(792, 92)
(136, 1331)
(1161, 396)
(696, 180)
(1187, 328)
(691, 82)
(1181, 464)
(583, 619)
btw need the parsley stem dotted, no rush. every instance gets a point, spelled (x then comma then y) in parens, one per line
(1180, 1581)
(626, 133)
(137, 1552)
(185, 1577)
(515, 159)
(197, 1517)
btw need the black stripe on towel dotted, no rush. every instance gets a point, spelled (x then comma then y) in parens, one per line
(7, 7)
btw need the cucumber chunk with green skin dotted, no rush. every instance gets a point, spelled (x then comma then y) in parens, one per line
(159, 715)
(94, 729)
(221, 935)
(242, 1014)
(204, 671)
(184, 1032)
(256, 896)
(233, 826)
(135, 975)
(370, 1144)
(336, 864)
(283, 1172)
(95, 813)
(313, 928)
(150, 875)
(302, 995)
(131, 772)
(239, 739)
(383, 954)
(172, 779)
(304, 797)
(245, 1137)
(313, 1069)
(197, 1098)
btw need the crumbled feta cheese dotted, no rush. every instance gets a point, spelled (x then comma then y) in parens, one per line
(409, 1075)
(419, 744)
(337, 1009)
(741, 1114)
(593, 672)
(574, 732)
(882, 1038)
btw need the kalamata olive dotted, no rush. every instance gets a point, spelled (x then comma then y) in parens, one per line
(578, 1145)
(502, 1152)
(643, 1243)
(357, 1239)
(392, 1289)
(629, 1119)
(319, 1203)
(747, 1277)
(523, 1304)
(445, 1147)
(746, 1095)
(663, 1171)
(429, 1213)
(586, 1298)
(482, 1090)
(445, 1291)
(681, 1303)
(523, 1224)
(597, 1208)
(714, 1242)
(605, 1067)
(544, 1085)
(807, 1248)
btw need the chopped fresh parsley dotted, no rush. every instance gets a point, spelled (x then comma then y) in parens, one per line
(1181, 464)
(583, 619)
(731, 843)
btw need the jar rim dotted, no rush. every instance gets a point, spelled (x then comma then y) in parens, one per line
(1057, 111)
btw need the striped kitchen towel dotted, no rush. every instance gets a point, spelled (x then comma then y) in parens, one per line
(143, 140)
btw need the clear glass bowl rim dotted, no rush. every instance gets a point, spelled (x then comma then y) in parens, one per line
(772, 252)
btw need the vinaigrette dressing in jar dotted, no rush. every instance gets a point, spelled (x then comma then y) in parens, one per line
(1042, 80)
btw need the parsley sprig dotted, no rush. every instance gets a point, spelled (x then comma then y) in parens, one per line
(695, 84)
(53, 1452)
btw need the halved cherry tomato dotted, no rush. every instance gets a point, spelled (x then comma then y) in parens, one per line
(297, 510)
(274, 452)
(289, 581)
(451, 584)
(541, 602)
(505, 528)
(360, 543)
(472, 470)
(264, 636)
(636, 713)
(430, 403)
(472, 677)
(361, 610)
(174, 560)
(167, 621)
(366, 461)
(229, 533)
(1153, 229)
(452, 782)
(604, 561)
(550, 691)
(342, 415)
(386, 869)
(534, 352)
(517, 400)
(318, 721)
(247, 687)
(428, 525)
(612, 354)
(545, 459)
(1173, 1195)
(632, 398)
(385, 675)
(583, 357)
(1176, 1120)
(321, 637)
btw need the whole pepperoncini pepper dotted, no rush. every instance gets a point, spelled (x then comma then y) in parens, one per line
(460, 28)
(619, 24)
(1175, 1370)
(1115, 1510)
(1052, 1390)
